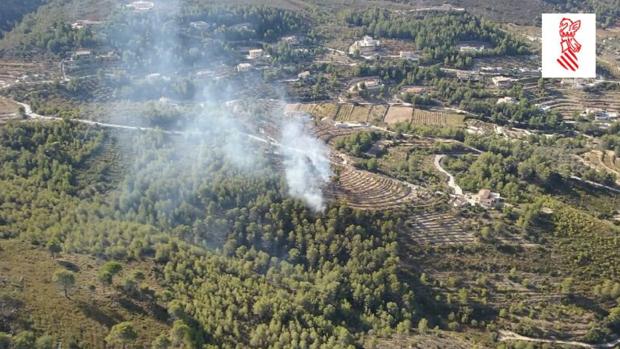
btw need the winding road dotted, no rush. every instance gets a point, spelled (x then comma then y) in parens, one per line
(451, 181)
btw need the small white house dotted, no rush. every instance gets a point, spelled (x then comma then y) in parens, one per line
(244, 67)
(364, 46)
(81, 55)
(503, 81)
(141, 5)
(471, 48)
(83, 23)
(506, 100)
(255, 53)
(487, 199)
(368, 41)
(199, 25)
(370, 84)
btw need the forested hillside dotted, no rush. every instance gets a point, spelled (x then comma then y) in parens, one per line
(335, 274)
(12, 11)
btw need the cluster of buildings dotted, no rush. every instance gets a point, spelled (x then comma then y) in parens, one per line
(253, 55)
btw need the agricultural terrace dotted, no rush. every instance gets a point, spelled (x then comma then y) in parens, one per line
(378, 114)
(605, 161)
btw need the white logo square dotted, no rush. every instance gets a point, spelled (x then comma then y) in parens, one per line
(568, 45)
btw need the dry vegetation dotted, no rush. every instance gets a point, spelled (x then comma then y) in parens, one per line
(91, 309)
(398, 114)
(8, 109)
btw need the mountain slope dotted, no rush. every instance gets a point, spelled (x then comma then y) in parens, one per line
(12, 11)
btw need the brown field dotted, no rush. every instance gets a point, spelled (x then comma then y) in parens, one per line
(8, 109)
(437, 118)
(360, 113)
(398, 114)
(326, 110)
(91, 308)
(11, 71)
(377, 114)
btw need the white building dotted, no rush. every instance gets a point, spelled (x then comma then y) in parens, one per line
(503, 81)
(244, 67)
(370, 84)
(506, 100)
(200, 25)
(81, 54)
(364, 46)
(471, 48)
(83, 23)
(255, 53)
(487, 199)
(141, 5)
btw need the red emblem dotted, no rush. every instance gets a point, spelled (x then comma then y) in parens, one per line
(570, 46)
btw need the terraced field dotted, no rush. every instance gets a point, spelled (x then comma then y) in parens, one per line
(326, 110)
(437, 118)
(358, 113)
(568, 101)
(345, 111)
(370, 191)
(12, 72)
(441, 228)
(603, 161)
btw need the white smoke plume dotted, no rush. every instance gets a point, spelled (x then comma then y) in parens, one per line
(306, 164)
(214, 116)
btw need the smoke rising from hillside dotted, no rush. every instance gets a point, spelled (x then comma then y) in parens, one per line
(306, 164)
(153, 37)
